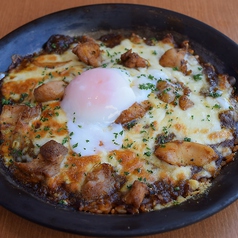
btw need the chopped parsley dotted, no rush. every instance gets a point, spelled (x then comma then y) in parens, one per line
(131, 124)
(75, 145)
(177, 188)
(216, 106)
(53, 45)
(215, 94)
(152, 126)
(23, 96)
(138, 170)
(43, 119)
(128, 145)
(5, 101)
(46, 128)
(147, 86)
(147, 153)
(65, 140)
(197, 77)
(57, 108)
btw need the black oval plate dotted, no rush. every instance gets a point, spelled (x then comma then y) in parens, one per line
(213, 46)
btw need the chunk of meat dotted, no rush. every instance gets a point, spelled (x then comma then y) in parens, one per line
(136, 194)
(20, 141)
(88, 51)
(99, 183)
(210, 72)
(183, 153)
(169, 39)
(10, 115)
(164, 138)
(169, 92)
(100, 189)
(133, 60)
(46, 165)
(111, 40)
(232, 80)
(16, 60)
(184, 69)
(58, 43)
(152, 41)
(135, 111)
(185, 102)
(17, 116)
(173, 58)
(166, 91)
(217, 82)
(166, 190)
(27, 114)
(227, 119)
(136, 39)
(15, 122)
(52, 151)
(50, 91)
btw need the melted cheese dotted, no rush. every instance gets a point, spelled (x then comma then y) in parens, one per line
(135, 160)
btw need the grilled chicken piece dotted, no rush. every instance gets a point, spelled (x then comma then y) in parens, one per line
(10, 115)
(133, 60)
(20, 142)
(99, 183)
(135, 111)
(111, 40)
(166, 92)
(136, 39)
(172, 58)
(50, 91)
(169, 39)
(183, 153)
(17, 115)
(185, 102)
(88, 51)
(175, 58)
(15, 124)
(59, 43)
(136, 194)
(46, 165)
(100, 189)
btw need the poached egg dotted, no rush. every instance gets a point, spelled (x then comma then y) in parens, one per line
(92, 102)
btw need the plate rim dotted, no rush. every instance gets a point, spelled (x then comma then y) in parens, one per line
(130, 231)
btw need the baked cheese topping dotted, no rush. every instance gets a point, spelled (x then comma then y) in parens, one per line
(127, 128)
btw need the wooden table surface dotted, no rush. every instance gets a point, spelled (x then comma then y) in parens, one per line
(220, 14)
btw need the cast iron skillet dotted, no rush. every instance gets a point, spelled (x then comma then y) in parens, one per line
(213, 46)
